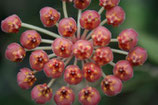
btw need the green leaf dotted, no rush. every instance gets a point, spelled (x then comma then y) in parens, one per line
(151, 44)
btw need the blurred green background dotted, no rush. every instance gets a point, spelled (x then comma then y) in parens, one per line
(142, 15)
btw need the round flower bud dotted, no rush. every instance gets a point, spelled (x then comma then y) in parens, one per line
(137, 56)
(41, 94)
(89, 96)
(81, 4)
(127, 39)
(54, 68)
(67, 27)
(90, 19)
(101, 36)
(92, 72)
(30, 39)
(115, 16)
(123, 70)
(103, 56)
(26, 78)
(49, 16)
(15, 52)
(11, 24)
(64, 96)
(111, 85)
(108, 4)
(82, 49)
(73, 75)
(38, 59)
(62, 47)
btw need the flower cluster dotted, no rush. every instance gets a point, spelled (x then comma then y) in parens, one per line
(89, 48)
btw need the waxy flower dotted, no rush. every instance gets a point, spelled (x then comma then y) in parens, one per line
(79, 52)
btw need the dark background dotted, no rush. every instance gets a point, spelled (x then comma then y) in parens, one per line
(142, 15)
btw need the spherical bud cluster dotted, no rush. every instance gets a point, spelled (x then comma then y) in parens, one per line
(26, 78)
(123, 70)
(62, 47)
(92, 72)
(137, 56)
(103, 55)
(64, 96)
(67, 27)
(90, 19)
(73, 75)
(54, 68)
(49, 16)
(115, 16)
(111, 85)
(81, 4)
(11, 24)
(38, 59)
(89, 96)
(30, 39)
(127, 39)
(41, 94)
(89, 47)
(15, 52)
(101, 36)
(108, 4)
(82, 49)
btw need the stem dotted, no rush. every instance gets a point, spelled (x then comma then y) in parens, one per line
(64, 9)
(68, 85)
(86, 60)
(68, 60)
(84, 34)
(114, 40)
(47, 41)
(51, 83)
(101, 10)
(112, 63)
(78, 23)
(64, 59)
(89, 35)
(40, 30)
(34, 71)
(51, 55)
(120, 51)
(75, 62)
(103, 22)
(40, 48)
(57, 24)
(91, 40)
(86, 83)
(82, 63)
(103, 74)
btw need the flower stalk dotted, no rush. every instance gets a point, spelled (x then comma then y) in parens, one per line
(119, 51)
(103, 22)
(78, 23)
(47, 41)
(65, 9)
(112, 63)
(40, 30)
(51, 55)
(40, 48)
(101, 10)
(51, 83)
(84, 34)
(114, 40)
